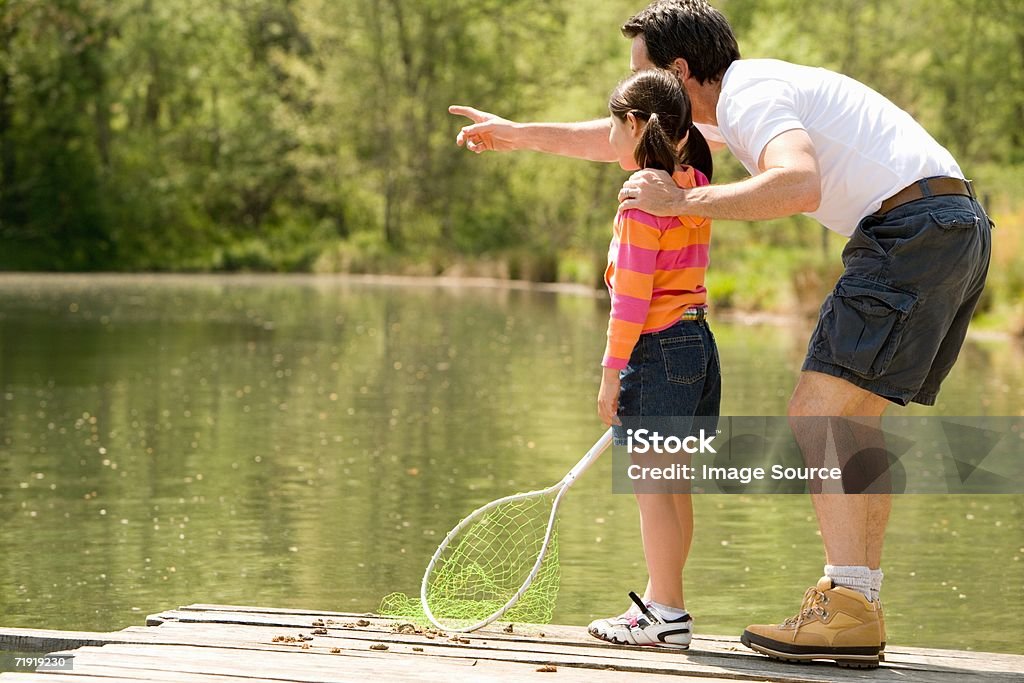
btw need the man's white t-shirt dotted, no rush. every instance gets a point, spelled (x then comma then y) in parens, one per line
(868, 148)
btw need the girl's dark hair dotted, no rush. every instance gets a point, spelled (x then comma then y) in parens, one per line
(657, 98)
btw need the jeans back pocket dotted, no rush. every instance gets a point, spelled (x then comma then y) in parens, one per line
(685, 358)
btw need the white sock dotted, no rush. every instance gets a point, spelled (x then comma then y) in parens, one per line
(876, 584)
(854, 577)
(667, 613)
(632, 611)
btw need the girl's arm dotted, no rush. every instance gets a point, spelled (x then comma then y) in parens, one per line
(636, 257)
(583, 140)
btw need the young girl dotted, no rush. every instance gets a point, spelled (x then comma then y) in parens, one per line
(661, 358)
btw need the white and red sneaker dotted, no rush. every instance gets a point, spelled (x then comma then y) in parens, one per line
(644, 627)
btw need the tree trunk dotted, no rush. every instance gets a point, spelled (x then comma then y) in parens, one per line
(6, 153)
(7, 159)
(101, 116)
(216, 145)
(389, 208)
(1017, 131)
(152, 110)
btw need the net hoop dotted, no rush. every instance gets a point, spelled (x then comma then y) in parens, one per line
(476, 514)
(562, 487)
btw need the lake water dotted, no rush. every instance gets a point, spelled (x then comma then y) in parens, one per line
(307, 442)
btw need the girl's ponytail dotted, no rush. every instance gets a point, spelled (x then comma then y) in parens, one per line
(697, 153)
(657, 97)
(655, 149)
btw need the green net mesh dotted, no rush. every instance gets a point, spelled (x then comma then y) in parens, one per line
(485, 565)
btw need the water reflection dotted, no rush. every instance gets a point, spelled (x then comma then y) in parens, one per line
(305, 442)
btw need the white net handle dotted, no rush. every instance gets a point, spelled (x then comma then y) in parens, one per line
(587, 460)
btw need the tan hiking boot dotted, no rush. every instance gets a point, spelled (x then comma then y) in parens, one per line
(881, 630)
(833, 623)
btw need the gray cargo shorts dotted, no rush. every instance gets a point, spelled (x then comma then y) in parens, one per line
(898, 315)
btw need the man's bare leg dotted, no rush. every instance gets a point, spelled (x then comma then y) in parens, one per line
(852, 526)
(879, 505)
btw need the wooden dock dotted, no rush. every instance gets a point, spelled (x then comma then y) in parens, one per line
(235, 643)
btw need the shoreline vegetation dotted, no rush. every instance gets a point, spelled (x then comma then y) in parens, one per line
(313, 137)
(979, 330)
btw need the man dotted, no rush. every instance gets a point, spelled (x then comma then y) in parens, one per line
(822, 144)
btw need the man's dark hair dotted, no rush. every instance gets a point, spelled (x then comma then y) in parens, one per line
(690, 29)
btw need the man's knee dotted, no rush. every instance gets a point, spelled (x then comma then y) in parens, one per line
(818, 394)
(809, 398)
(800, 405)
(872, 405)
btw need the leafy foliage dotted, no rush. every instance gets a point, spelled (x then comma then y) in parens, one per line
(292, 134)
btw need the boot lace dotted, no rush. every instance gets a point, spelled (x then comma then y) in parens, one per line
(812, 605)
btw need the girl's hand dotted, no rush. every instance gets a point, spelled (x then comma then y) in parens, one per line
(608, 397)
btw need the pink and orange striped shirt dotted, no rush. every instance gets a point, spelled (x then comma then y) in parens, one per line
(655, 272)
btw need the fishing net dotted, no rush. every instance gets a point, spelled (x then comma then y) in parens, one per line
(485, 564)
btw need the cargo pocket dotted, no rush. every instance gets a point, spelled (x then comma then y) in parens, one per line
(685, 359)
(862, 325)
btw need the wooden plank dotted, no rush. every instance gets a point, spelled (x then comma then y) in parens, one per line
(523, 633)
(748, 666)
(205, 607)
(552, 632)
(646, 660)
(200, 641)
(212, 637)
(390, 664)
(155, 619)
(43, 640)
(926, 660)
(52, 678)
(108, 671)
(932, 661)
(604, 656)
(586, 661)
(555, 630)
(46, 640)
(599, 655)
(521, 630)
(306, 667)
